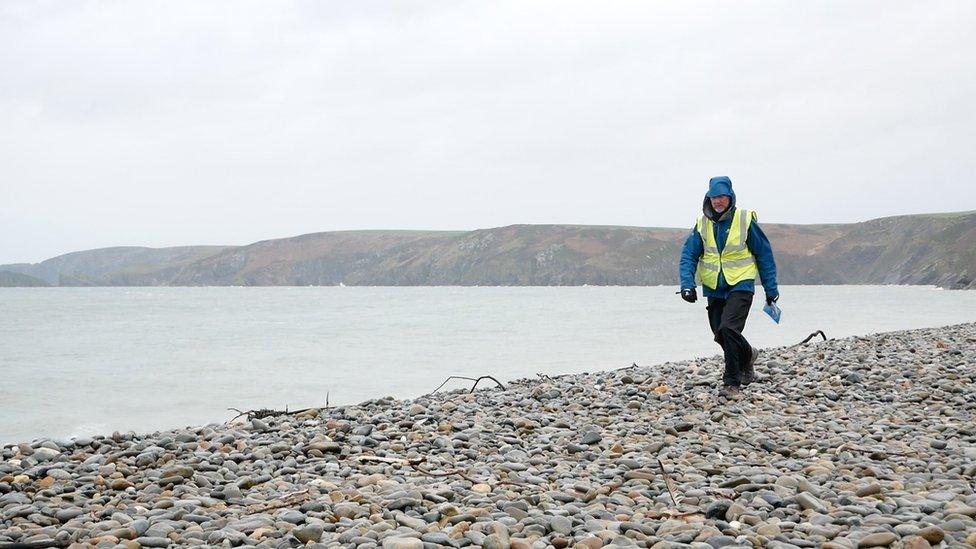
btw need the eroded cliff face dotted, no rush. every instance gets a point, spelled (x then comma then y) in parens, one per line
(937, 249)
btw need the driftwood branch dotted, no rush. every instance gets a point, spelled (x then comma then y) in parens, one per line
(287, 500)
(685, 516)
(268, 412)
(547, 377)
(813, 335)
(415, 464)
(738, 439)
(847, 446)
(381, 459)
(473, 387)
(838, 450)
(693, 515)
(667, 482)
(34, 544)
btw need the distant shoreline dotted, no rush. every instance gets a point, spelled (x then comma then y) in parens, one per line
(926, 249)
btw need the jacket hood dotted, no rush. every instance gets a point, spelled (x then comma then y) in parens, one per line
(718, 186)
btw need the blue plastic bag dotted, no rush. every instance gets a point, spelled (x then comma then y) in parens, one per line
(773, 311)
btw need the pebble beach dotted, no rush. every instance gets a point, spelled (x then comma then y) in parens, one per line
(857, 442)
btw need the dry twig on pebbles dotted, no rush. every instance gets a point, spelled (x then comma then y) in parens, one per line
(667, 482)
(288, 500)
(33, 545)
(415, 464)
(813, 335)
(885, 452)
(473, 387)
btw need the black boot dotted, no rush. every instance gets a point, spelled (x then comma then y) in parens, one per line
(729, 392)
(749, 372)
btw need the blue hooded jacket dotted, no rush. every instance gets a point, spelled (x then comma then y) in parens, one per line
(756, 241)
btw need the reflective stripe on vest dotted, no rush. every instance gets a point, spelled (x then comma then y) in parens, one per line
(736, 262)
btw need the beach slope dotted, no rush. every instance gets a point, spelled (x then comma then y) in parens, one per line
(864, 441)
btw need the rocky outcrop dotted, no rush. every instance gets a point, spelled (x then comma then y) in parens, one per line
(9, 279)
(118, 266)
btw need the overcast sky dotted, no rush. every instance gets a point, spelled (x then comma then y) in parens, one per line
(172, 123)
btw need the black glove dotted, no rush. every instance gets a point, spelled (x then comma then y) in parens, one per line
(689, 294)
(770, 299)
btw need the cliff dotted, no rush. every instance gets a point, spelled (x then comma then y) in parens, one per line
(934, 249)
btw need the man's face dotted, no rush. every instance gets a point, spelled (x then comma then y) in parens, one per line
(720, 203)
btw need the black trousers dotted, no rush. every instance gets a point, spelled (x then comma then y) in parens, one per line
(727, 318)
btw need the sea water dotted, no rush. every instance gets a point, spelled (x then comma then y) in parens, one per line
(83, 361)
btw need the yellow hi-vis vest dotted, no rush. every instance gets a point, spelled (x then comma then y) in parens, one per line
(735, 261)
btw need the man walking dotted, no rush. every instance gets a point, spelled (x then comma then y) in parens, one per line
(728, 250)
